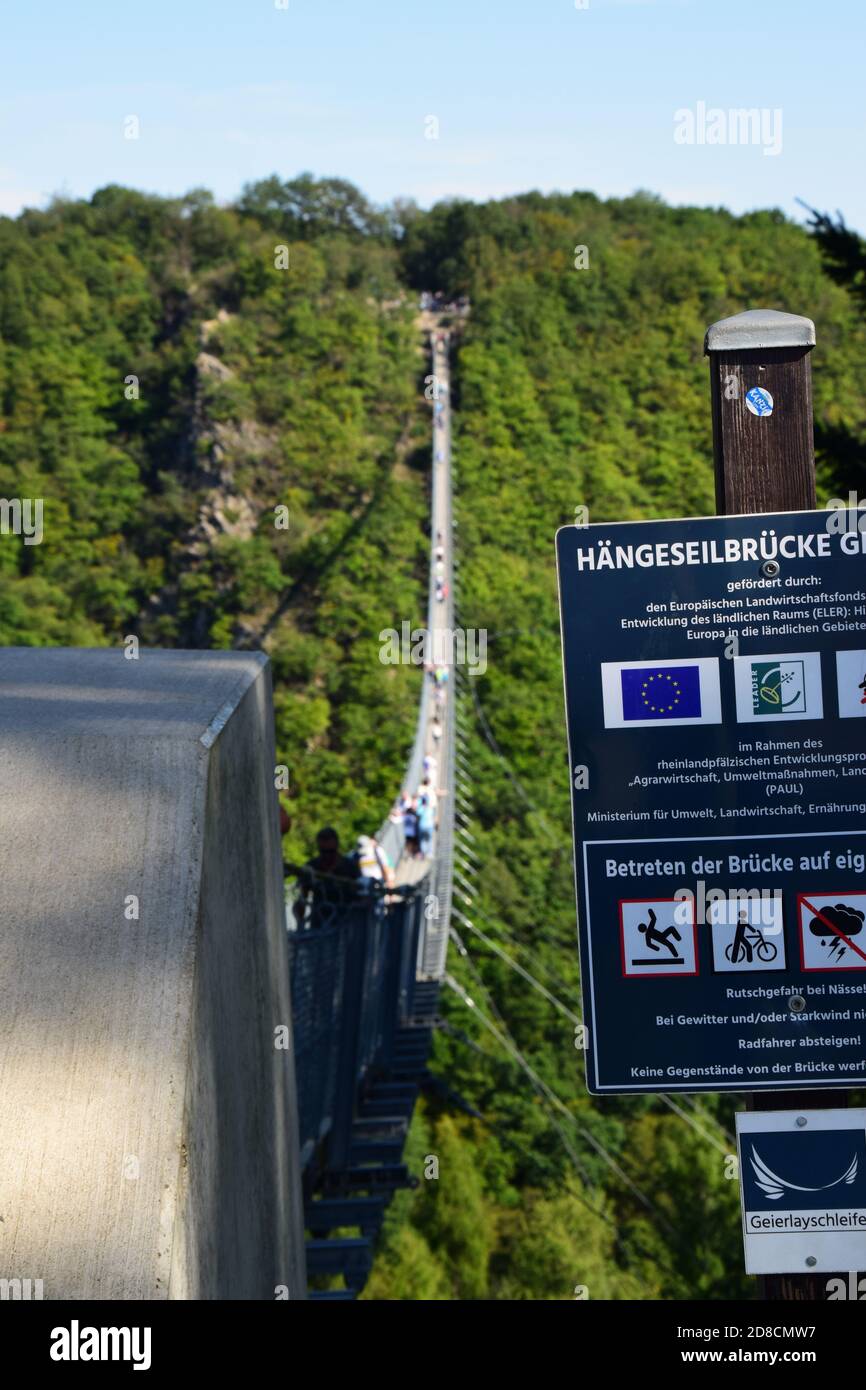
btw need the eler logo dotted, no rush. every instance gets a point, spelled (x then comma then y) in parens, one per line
(778, 687)
(783, 685)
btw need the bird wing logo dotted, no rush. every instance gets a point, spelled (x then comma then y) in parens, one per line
(773, 1186)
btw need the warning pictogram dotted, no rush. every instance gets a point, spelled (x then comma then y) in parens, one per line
(748, 936)
(832, 935)
(658, 936)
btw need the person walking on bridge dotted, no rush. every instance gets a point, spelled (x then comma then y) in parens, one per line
(426, 823)
(427, 790)
(410, 826)
(329, 881)
(373, 862)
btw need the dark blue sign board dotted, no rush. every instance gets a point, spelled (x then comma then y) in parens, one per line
(715, 685)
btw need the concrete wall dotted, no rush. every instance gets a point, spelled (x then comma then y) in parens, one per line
(148, 1143)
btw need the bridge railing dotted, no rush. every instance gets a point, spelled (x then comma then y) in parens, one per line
(352, 971)
(436, 883)
(433, 936)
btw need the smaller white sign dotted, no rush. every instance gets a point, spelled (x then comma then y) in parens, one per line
(803, 1190)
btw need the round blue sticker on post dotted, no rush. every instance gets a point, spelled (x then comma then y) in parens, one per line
(759, 401)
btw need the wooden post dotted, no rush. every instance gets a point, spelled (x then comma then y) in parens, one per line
(766, 463)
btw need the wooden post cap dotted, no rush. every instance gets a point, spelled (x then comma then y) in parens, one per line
(759, 328)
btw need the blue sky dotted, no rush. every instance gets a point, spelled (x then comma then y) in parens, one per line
(541, 94)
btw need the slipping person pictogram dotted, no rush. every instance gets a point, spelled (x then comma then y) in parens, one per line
(655, 938)
(651, 944)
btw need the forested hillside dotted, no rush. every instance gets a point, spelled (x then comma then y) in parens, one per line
(175, 375)
(578, 387)
(171, 373)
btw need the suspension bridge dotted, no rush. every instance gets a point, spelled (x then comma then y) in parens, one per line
(207, 1096)
(365, 985)
(203, 1092)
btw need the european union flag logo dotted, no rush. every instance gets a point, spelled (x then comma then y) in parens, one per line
(661, 692)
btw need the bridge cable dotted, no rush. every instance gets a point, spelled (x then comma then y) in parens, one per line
(663, 1096)
(536, 1086)
(515, 965)
(438, 1084)
(559, 1104)
(470, 1108)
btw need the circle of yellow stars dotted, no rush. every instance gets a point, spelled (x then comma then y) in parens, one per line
(674, 694)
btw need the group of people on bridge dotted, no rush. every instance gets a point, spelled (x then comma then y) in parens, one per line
(419, 813)
(331, 881)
